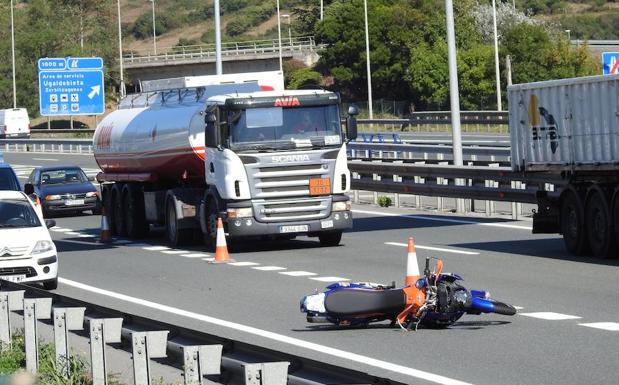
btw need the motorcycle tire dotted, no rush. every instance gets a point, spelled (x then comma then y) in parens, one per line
(503, 308)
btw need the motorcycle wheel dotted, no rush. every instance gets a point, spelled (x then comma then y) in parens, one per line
(503, 308)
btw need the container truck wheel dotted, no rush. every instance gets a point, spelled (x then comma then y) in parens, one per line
(598, 224)
(175, 235)
(117, 210)
(135, 220)
(332, 238)
(573, 223)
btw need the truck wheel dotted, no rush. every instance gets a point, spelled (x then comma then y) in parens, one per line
(572, 224)
(176, 237)
(135, 221)
(211, 225)
(598, 224)
(117, 210)
(106, 198)
(331, 238)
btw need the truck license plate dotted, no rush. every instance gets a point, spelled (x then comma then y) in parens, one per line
(74, 202)
(13, 278)
(294, 229)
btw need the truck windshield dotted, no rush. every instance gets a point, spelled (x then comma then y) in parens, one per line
(285, 128)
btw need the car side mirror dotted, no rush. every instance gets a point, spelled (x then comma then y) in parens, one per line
(28, 189)
(353, 110)
(211, 132)
(49, 223)
(210, 117)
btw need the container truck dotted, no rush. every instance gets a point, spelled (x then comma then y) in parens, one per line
(569, 130)
(186, 151)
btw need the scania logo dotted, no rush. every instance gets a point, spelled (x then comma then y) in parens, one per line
(289, 158)
(289, 101)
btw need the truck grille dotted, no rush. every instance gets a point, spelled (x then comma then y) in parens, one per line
(287, 181)
(292, 210)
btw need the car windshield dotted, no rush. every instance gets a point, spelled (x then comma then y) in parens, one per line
(17, 213)
(285, 128)
(63, 176)
(8, 181)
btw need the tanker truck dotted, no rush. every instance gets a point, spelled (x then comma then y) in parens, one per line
(184, 152)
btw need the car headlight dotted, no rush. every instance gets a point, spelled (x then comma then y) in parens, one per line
(245, 212)
(342, 206)
(52, 197)
(42, 247)
(92, 194)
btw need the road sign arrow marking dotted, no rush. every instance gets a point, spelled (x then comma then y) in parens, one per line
(96, 90)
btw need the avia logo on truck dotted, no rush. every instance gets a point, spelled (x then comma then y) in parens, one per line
(288, 101)
(290, 158)
(543, 131)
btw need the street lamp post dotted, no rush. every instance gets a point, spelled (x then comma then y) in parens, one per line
(13, 56)
(321, 9)
(289, 32)
(120, 53)
(496, 59)
(218, 68)
(279, 36)
(367, 59)
(154, 29)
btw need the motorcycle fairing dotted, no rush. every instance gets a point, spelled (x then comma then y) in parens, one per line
(356, 301)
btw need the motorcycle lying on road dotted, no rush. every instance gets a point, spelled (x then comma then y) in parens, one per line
(436, 300)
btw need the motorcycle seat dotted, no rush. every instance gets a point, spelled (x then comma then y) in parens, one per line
(363, 301)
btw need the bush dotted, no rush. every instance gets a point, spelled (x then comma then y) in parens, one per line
(304, 77)
(384, 201)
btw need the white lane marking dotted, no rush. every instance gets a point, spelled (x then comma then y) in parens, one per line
(269, 268)
(174, 251)
(550, 316)
(156, 248)
(298, 273)
(610, 326)
(72, 233)
(61, 230)
(518, 307)
(420, 374)
(433, 248)
(243, 263)
(208, 259)
(195, 255)
(448, 220)
(46, 159)
(85, 235)
(330, 279)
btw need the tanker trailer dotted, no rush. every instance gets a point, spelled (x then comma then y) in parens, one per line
(187, 151)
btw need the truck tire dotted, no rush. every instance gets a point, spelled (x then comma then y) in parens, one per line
(117, 210)
(135, 219)
(573, 223)
(175, 236)
(598, 224)
(211, 224)
(331, 238)
(106, 198)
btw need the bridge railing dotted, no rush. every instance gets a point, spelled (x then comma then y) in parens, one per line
(255, 47)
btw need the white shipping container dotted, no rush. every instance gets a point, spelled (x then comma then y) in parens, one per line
(568, 124)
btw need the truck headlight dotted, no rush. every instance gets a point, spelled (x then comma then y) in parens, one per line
(52, 197)
(341, 206)
(245, 212)
(42, 247)
(92, 194)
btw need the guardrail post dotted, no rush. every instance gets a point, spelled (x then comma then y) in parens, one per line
(147, 345)
(267, 373)
(200, 361)
(375, 193)
(102, 331)
(9, 301)
(490, 206)
(34, 309)
(516, 206)
(65, 319)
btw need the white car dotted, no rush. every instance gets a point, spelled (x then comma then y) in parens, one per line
(27, 253)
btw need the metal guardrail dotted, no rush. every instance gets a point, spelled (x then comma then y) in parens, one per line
(202, 51)
(224, 360)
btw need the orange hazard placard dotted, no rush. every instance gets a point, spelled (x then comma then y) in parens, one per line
(319, 186)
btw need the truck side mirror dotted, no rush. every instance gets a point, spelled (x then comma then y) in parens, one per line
(351, 122)
(28, 189)
(211, 133)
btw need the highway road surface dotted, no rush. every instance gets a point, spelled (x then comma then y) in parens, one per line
(566, 332)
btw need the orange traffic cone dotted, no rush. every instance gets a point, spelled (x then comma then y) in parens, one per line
(412, 268)
(106, 234)
(221, 248)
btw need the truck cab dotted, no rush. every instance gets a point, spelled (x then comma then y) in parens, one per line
(276, 165)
